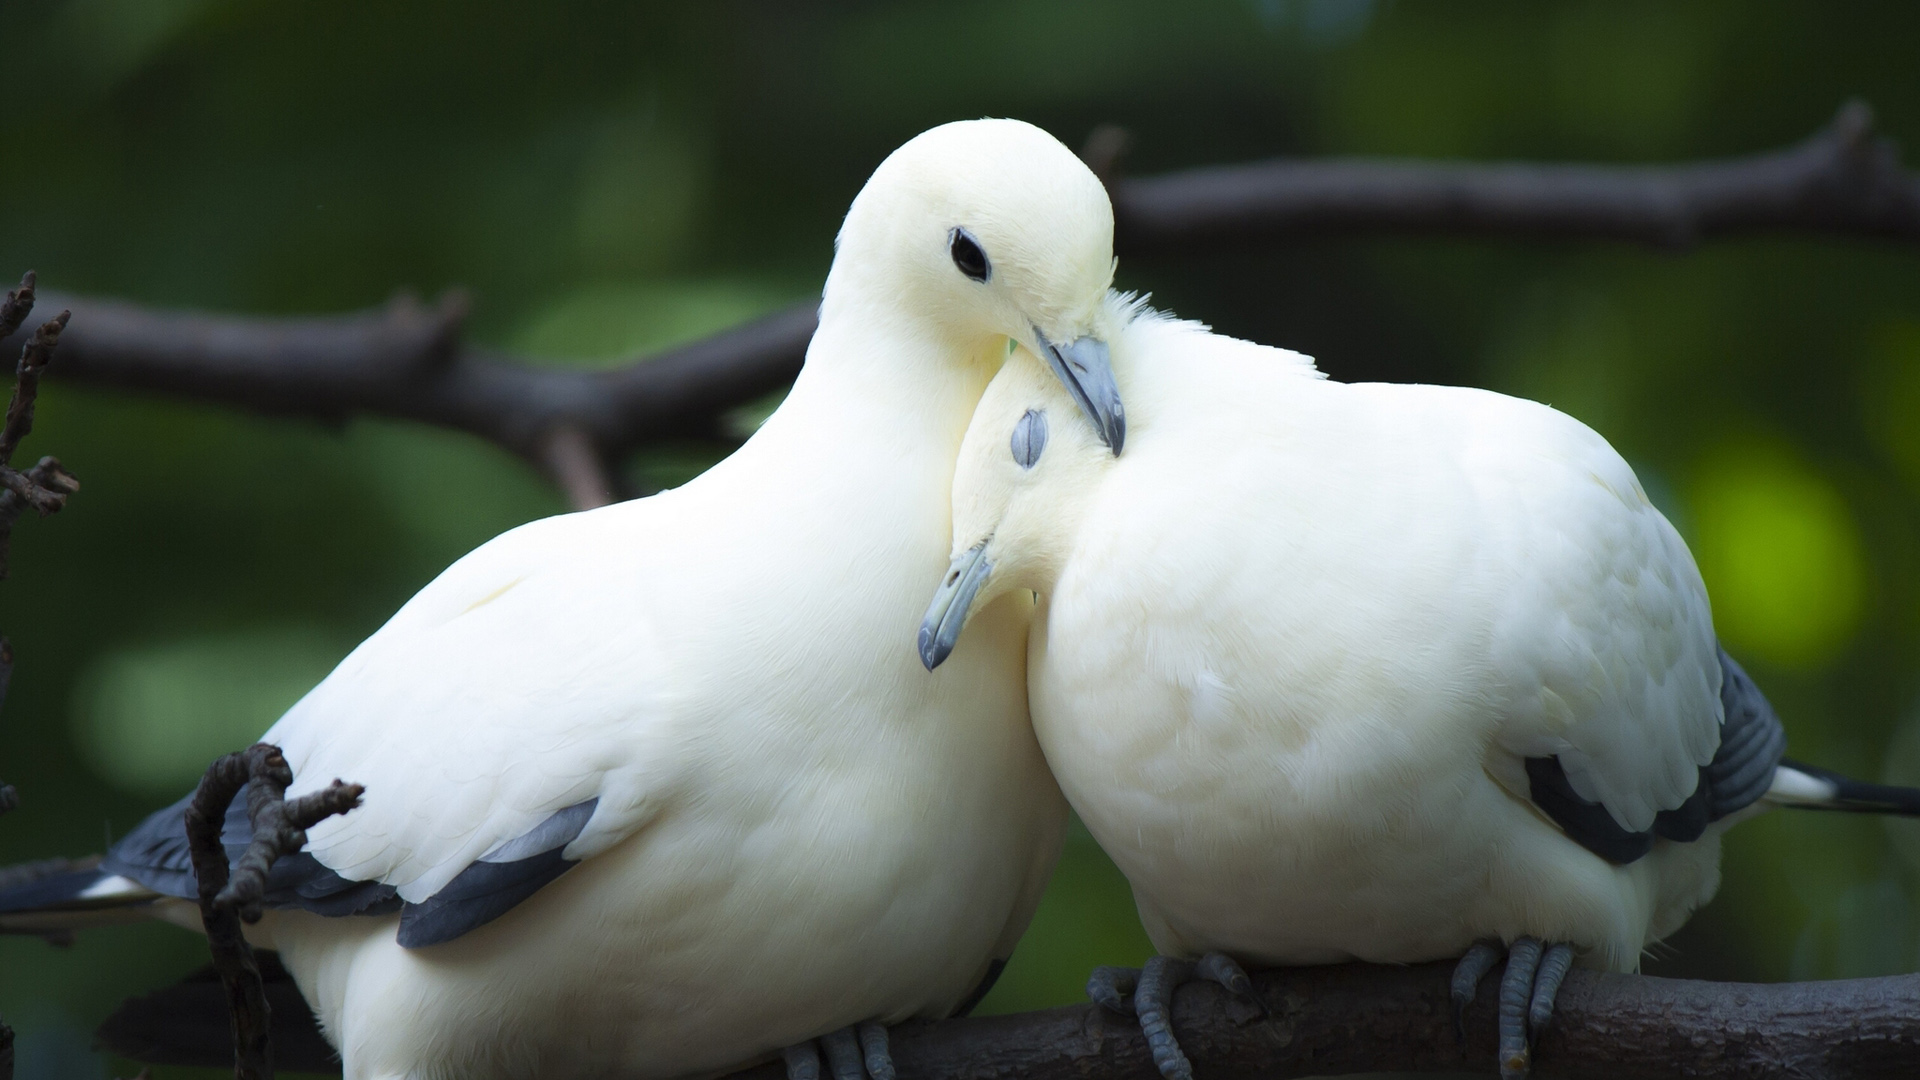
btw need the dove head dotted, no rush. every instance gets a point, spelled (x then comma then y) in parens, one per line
(1027, 471)
(995, 235)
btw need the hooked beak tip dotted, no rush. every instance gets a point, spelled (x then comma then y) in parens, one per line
(932, 653)
(947, 615)
(1085, 367)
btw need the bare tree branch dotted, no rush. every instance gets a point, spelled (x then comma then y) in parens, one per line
(1843, 181)
(407, 360)
(1364, 1018)
(279, 828)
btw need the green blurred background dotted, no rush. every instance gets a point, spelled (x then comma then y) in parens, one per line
(608, 178)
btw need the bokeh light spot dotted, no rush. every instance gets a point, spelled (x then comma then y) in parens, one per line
(1781, 554)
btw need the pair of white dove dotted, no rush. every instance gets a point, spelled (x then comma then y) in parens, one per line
(659, 790)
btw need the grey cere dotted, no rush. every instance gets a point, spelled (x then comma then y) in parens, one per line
(1030, 437)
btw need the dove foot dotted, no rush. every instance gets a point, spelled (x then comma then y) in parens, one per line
(1527, 989)
(858, 1052)
(1147, 993)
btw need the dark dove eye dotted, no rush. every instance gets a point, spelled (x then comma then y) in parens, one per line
(967, 255)
(1030, 438)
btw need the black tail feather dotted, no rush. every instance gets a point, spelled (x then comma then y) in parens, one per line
(1857, 796)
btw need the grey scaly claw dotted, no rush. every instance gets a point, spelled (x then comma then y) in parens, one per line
(1466, 981)
(1546, 985)
(1223, 969)
(858, 1052)
(876, 1051)
(1153, 1003)
(1516, 995)
(1527, 990)
(843, 1055)
(803, 1061)
(1111, 988)
(1151, 989)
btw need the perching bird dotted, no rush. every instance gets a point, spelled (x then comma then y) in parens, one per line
(1361, 672)
(660, 789)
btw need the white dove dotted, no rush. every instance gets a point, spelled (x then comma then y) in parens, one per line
(659, 789)
(1361, 672)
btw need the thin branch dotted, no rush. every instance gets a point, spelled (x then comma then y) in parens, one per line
(45, 487)
(1844, 181)
(26, 386)
(18, 304)
(1363, 1018)
(576, 465)
(279, 828)
(408, 361)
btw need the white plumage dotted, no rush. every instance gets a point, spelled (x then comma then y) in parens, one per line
(1294, 646)
(796, 829)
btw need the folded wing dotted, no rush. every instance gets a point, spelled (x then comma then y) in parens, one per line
(508, 722)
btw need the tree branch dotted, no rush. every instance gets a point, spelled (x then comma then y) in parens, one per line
(407, 360)
(1364, 1018)
(279, 828)
(1844, 181)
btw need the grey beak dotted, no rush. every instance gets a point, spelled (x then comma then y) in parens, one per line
(1086, 369)
(948, 612)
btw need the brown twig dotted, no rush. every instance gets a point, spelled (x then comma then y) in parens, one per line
(406, 360)
(279, 828)
(18, 304)
(1363, 1018)
(26, 388)
(44, 488)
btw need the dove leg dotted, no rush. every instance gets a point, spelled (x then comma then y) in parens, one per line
(1111, 987)
(1466, 980)
(859, 1052)
(1516, 995)
(1546, 985)
(803, 1061)
(1152, 990)
(1527, 990)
